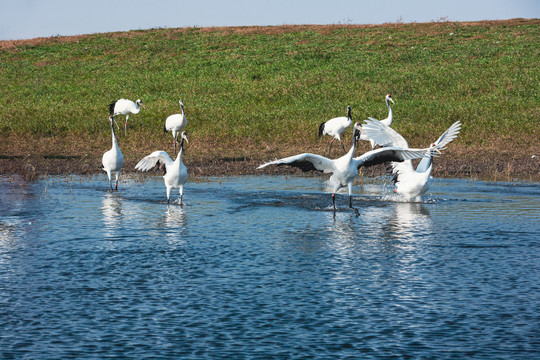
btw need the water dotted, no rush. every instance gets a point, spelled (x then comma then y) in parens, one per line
(260, 267)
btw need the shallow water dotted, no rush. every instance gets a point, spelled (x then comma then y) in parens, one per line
(258, 267)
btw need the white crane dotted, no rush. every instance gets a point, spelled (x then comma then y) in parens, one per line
(345, 169)
(176, 123)
(113, 160)
(387, 121)
(410, 183)
(335, 127)
(125, 107)
(176, 174)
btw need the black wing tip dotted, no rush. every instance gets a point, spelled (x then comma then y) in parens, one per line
(321, 129)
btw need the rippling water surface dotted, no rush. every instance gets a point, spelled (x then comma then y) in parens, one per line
(258, 267)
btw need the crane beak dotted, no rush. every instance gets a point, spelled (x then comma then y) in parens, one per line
(436, 152)
(392, 100)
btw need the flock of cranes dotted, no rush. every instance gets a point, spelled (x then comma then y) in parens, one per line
(410, 183)
(176, 174)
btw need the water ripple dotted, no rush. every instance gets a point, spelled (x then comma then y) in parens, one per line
(261, 267)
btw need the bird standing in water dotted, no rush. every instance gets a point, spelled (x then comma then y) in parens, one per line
(410, 183)
(113, 160)
(345, 169)
(176, 174)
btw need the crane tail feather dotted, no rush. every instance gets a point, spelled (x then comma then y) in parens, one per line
(111, 107)
(321, 129)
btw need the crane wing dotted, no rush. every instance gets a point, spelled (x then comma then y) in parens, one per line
(151, 160)
(448, 135)
(440, 144)
(306, 162)
(383, 135)
(389, 154)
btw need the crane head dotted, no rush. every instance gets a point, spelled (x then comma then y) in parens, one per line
(435, 149)
(184, 136)
(389, 98)
(140, 103)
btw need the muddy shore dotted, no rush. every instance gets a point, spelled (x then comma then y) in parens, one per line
(493, 167)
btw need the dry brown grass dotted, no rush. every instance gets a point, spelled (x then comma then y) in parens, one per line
(33, 157)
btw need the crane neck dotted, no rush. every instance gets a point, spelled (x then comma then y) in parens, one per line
(114, 141)
(390, 115)
(356, 133)
(180, 152)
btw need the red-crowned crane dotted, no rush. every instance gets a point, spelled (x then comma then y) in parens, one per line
(387, 121)
(113, 160)
(176, 172)
(335, 127)
(410, 183)
(175, 124)
(125, 107)
(345, 169)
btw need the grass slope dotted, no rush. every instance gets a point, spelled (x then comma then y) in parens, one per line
(261, 92)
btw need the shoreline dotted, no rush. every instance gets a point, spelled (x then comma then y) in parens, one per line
(33, 167)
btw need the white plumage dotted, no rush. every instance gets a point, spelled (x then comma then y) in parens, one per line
(410, 183)
(125, 107)
(175, 124)
(387, 121)
(345, 169)
(113, 160)
(335, 127)
(176, 172)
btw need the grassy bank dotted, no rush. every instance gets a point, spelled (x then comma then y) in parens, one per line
(260, 92)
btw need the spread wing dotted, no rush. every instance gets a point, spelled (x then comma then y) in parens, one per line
(306, 162)
(448, 135)
(440, 144)
(151, 160)
(389, 154)
(383, 135)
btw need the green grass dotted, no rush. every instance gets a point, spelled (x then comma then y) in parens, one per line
(277, 84)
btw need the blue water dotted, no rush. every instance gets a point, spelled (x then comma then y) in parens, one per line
(261, 267)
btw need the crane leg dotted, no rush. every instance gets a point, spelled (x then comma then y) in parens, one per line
(334, 201)
(330, 147)
(343, 147)
(350, 206)
(125, 125)
(116, 182)
(350, 200)
(109, 177)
